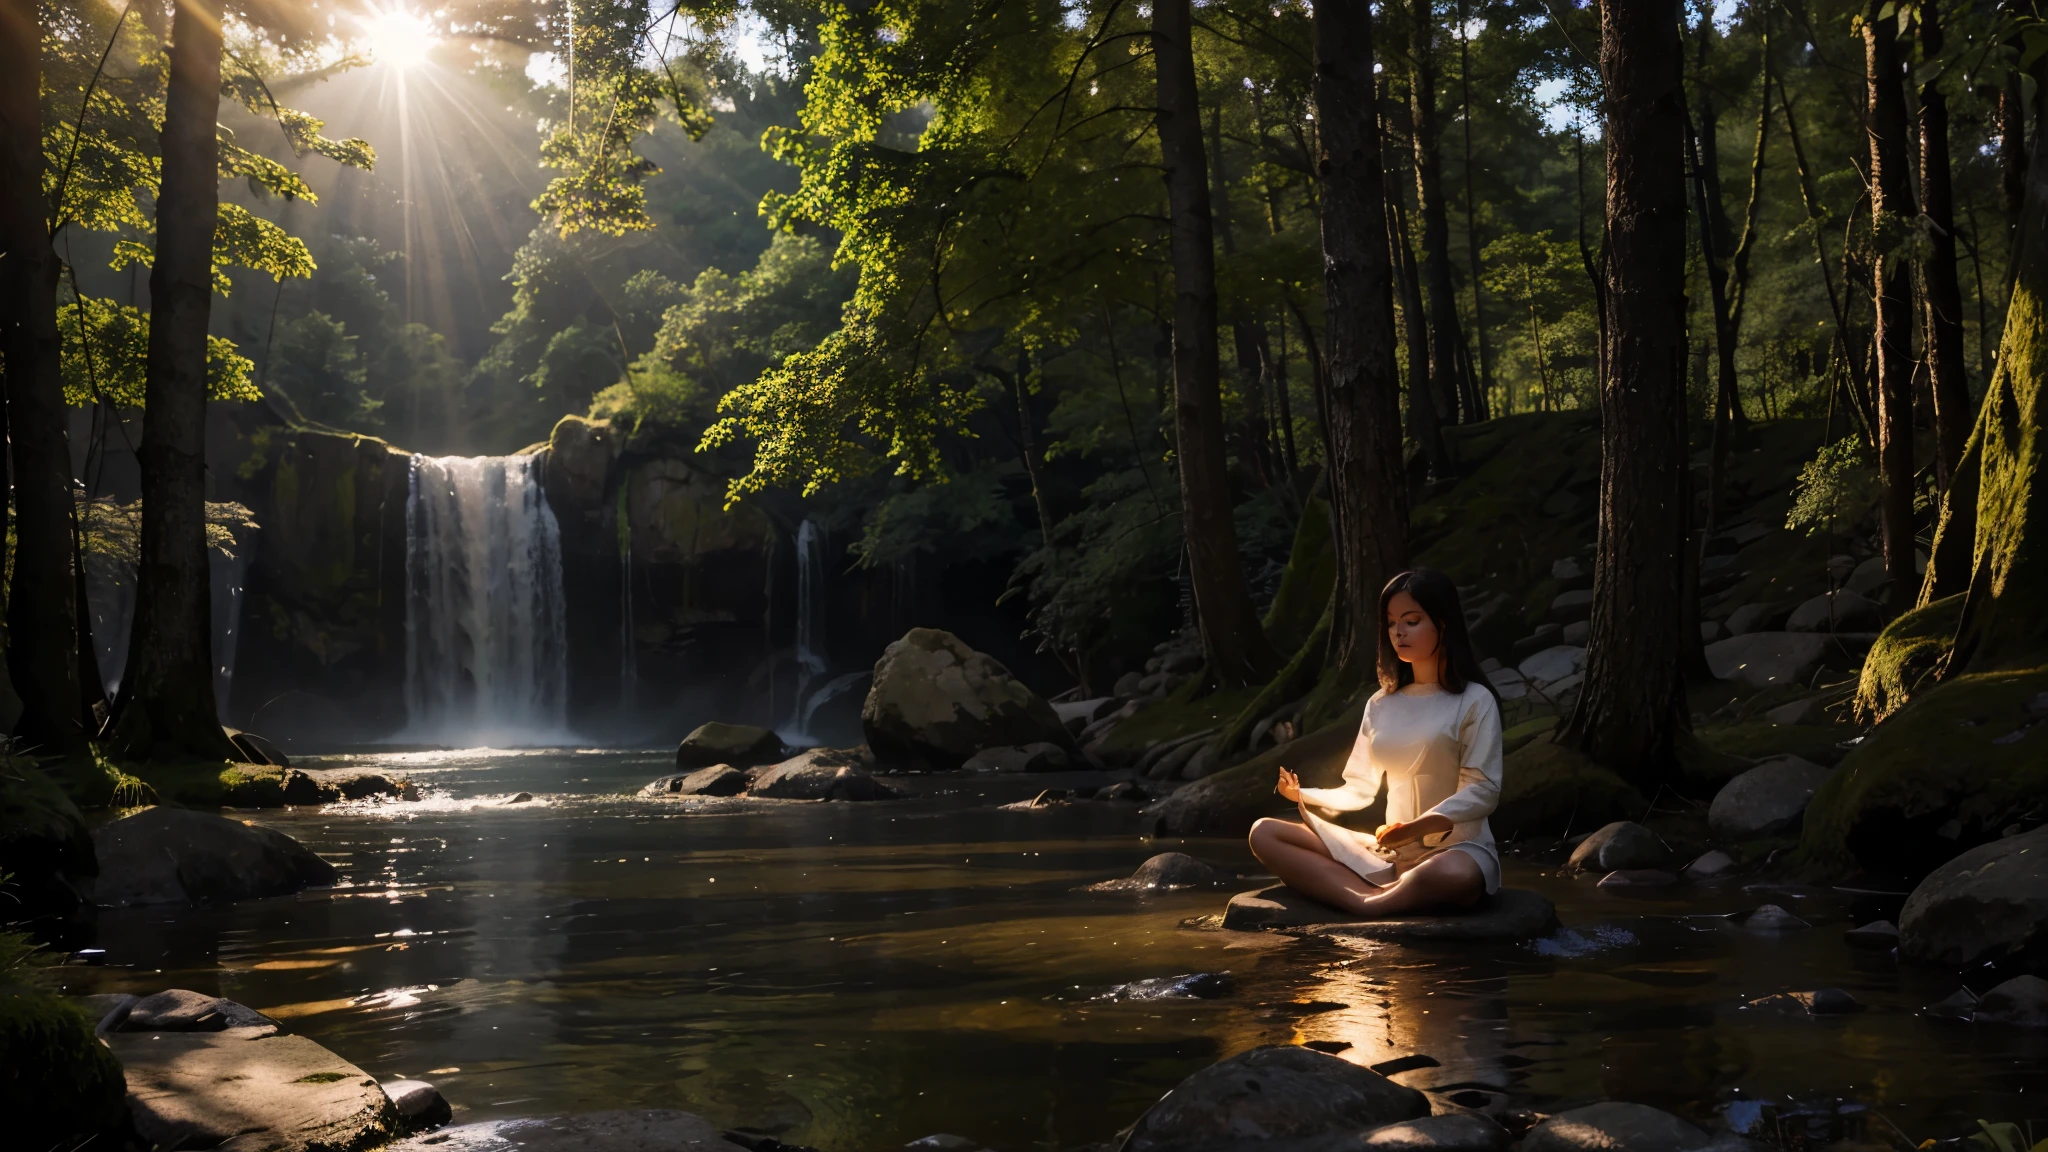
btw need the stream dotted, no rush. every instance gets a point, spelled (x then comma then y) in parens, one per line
(854, 976)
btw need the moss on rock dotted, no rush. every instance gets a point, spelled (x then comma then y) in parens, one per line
(59, 1087)
(1226, 803)
(1761, 740)
(1951, 770)
(1547, 789)
(1907, 655)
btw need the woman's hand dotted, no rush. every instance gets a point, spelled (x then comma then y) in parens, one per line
(1289, 787)
(1395, 835)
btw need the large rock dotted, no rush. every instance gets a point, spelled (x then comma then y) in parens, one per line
(820, 774)
(1769, 616)
(1039, 757)
(1767, 800)
(182, 1010)
(1454, 1132)
(172, 856)
(717, 780)
(1169, 870)
(2021, 1002)
(1614, 1127)
(1225, 803)
(1272, 1094)
(1623, 845)
(1552, 664)
(740, 744)
(1550, 789)
(1765, 659)
(1990, 903)
(1842, 611)
(229, 1091)
(59, 1087)
(935, 702)
(1510, 914)
(648, 1130)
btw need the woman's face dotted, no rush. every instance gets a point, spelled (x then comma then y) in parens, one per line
(1412, 632)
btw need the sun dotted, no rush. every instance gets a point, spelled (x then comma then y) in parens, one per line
(399, 36)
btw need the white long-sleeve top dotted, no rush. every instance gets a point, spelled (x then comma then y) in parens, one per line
(1438, 754)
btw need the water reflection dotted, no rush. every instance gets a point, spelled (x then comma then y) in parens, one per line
(854, 976)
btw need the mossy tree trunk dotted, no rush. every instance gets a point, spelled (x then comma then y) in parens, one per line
(1236, 650)
(42, 614)
(167, 708)
(1944, 291)
(1891, 210)
(1632, 705)
(1367, 496)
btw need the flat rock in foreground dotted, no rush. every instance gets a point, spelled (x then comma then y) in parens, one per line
(230, 1091)
(638, 1130)
(1510, 914)
(1284, 1095)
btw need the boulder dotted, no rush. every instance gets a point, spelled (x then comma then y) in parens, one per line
(1226, 802)
(1619, 846)
(1552, 664)
(1272, 1094)
(1040, 757)
(935, 702)
(1842, 611)
(1767, 800)
(1764, 659)
(1766, 617)
(1510, 914)
(172, 856)
(1771, 918)
(1988, 904)
(717, 780)
(1577, 633)
(638, 1130)
(1574, 605)
(1169, 870)
(1455, 1132)
(419, 1104)
(819, 774)
(60, 1087)
(1709, 865)
(1550, 789)
(180, 1010)
(266, 1094)
(2021, 1001)
(716, 743)
(1614, 1127)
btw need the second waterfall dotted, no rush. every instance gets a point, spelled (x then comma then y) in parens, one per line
(486, 644)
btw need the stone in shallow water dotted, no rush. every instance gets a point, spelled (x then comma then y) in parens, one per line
(1771, 918)
(1461, 1132)
(1714, 863)
(1614, 1127)
(717, 780)
(1168, 870)
(640, 1130)
(419, 1103)
(1622, 845)
(270, 1094)
(2021, 1001)
(1877, 934)
(1280, 1094)
(1510, 914)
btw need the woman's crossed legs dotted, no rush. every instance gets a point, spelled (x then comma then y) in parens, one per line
(1298, 857)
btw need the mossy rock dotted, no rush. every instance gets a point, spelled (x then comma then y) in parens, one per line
(1225, 803)
(1951, 770)
(218, 784)
(59, 1086)
(1761, 740)
(1173, 717)
(1547, 788)
(1907, 654)
(1521, 735)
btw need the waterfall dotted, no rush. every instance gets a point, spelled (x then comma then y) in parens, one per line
(486, 657)
(629, 660)
(810, 610)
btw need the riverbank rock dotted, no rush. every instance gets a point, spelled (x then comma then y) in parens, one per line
(1040, 757)
(1762, 659)
(1272, 1094)
(717, 780)
(1225, 803)
(1550, 788)
(2021, 1002)
(181, 1010)
(935, 702)
(172, 856)
(1168, 870)
(1990, 903)
(738, 744)
(1843, 611)
(1510, 914)
(1614, 1127)
(420, 1105)
(820, 774)
(638, 1130)
(1623, 845)
(1768, 800)
(1456, 1132)
(268, 1094)
(61, 1088)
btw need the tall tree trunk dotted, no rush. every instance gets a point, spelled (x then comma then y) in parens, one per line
(1726, 402)
(1632, 705)
(1368, 501)
(1891, 210)
(1423, 421)
(167, 707)
(42, 613)
(1232, 640)
(1944, 291)
(2012, 148)
(1459, 396)
(1254, 436)
(1472, 245)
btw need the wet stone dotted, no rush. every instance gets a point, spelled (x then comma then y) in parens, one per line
(419, 1103)
(646, 1130)
(2021, 1002)
(1510, 914)
(1877, 934)
(1714, 863)
(1169, 870)
(1621, 846)
(1771, 918)
(1460, 1132)
(1615, 1127)
(1278, 1094)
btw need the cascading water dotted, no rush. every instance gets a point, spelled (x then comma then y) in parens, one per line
(486, 658)
(810, 607)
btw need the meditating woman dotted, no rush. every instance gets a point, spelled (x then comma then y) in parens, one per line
(1431, 734)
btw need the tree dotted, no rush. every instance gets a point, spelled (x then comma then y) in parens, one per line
(1455, 385)
(1368, 501)
(1631, 708)
(1232, 640)
(1891, 216)
(42, 610)
(1944, 293)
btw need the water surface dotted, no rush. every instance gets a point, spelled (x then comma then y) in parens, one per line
(853, 976)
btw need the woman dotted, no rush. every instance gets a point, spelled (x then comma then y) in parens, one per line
(1432, 735)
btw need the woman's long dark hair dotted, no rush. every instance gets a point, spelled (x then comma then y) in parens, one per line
(1439, 599)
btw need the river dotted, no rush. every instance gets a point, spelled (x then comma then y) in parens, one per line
(854, 976)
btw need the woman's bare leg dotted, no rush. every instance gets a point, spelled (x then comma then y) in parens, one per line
(1300, 860)
(1447, 881)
